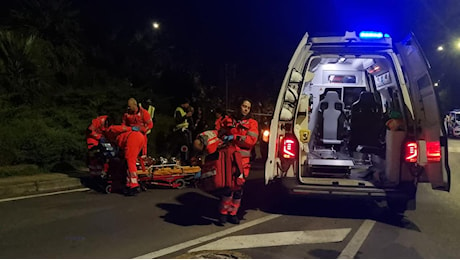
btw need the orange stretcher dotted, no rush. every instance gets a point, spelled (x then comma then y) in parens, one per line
(170, 175)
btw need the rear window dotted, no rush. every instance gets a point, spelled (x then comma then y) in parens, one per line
(336, 78)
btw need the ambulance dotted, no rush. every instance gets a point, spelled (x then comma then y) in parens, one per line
(357, 116)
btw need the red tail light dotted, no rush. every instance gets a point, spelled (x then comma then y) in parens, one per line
(411, 152)
(289, 147)
(433, 151)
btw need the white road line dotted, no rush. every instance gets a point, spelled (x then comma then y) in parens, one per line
(175, 248)
(42, 195)
(277, 239)
(357, 240)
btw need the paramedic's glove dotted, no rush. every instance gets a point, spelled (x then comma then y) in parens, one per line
(102, 140)
(227, 138)
(135, 128)
(197, 175)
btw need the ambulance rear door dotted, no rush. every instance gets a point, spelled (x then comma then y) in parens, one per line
(431, 136)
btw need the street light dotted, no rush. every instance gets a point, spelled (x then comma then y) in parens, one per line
(156, 25)
(440, 48)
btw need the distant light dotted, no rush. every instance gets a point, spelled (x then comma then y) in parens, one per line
(155, 25)
(386, 35)
(436, 84)
(458, 45)
(370, 35)
(440, 48)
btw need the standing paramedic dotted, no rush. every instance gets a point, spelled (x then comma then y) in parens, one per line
(243, 134)
(137, 116)
(181, 132)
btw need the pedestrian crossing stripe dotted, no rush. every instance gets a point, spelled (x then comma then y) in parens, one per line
(277, 239)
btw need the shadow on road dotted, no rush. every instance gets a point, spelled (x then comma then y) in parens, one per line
(273, 199)
(193, 208)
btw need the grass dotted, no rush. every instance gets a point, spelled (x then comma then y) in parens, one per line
(19, 170)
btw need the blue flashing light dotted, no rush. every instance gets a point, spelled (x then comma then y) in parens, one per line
(371, 35)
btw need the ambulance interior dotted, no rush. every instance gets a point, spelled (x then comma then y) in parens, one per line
(350, 101)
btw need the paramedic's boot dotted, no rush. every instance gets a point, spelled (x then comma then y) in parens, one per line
(234, 219)
(131, 191)
(222, 219)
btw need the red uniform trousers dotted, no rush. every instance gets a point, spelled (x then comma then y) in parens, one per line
(131, 143)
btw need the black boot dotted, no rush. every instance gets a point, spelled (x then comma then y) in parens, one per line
(234, 219)
(131, 192)
(222, 219)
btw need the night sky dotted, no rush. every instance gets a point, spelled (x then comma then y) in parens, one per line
(256, 37)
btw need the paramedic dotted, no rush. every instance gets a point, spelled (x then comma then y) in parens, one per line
(243, 134)
(139, 117)
(131, 141)
(151, 109)
(95, 135)
(181, 132)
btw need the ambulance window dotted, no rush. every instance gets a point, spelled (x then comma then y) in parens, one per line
(334, 78)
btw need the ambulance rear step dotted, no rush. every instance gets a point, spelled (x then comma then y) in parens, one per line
(330, 167)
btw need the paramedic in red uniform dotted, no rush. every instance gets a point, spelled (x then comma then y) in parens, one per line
(139, 117)
(95, 134)
(131, 141)
(243, 134)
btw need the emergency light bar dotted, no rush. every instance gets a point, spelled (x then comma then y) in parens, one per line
(372, 35)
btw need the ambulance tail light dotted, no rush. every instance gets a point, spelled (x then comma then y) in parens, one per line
(433, 151)
(289, 147)
(411, 152)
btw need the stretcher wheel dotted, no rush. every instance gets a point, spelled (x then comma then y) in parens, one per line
(179, 183)
(108, 189)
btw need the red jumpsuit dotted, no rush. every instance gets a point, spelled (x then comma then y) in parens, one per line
(131, 142)
(141, 119)
(94, 132)
(245, 135)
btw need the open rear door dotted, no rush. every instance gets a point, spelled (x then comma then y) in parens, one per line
(285, 98)
(426, 112)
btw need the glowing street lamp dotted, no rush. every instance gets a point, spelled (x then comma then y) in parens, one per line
(155, 26)
(440, 48)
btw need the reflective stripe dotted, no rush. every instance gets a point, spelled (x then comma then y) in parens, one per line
(245, 153)
(253, 134)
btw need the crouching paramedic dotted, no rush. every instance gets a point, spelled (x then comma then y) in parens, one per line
(131, 142)
(243, 134)
(95, 135)
(206, 144)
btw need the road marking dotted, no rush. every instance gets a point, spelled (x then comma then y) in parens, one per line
(42, 195)
(357, 240)
(175, 248)
(277, 239)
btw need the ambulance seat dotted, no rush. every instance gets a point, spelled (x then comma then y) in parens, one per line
(332, 119)
(366, 123)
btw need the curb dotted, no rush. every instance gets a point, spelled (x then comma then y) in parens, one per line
(43, 183)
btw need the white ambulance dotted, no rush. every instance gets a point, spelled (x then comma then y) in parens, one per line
(357, 116)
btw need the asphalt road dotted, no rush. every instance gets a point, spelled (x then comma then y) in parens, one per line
(169, 223)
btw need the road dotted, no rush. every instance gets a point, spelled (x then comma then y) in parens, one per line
(170, 223)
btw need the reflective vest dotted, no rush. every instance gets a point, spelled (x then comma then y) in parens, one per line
(183, 124)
